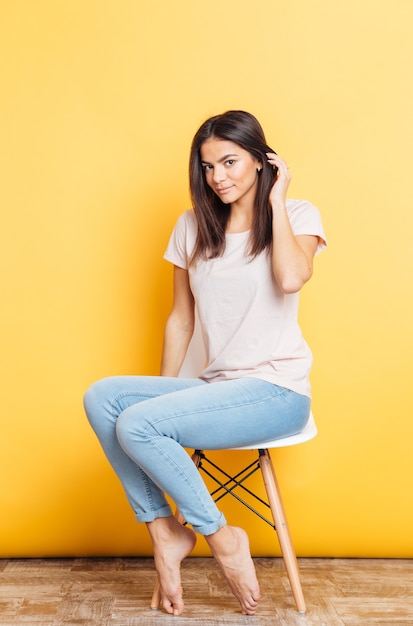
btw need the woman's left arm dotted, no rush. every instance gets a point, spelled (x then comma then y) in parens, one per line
(292, 256)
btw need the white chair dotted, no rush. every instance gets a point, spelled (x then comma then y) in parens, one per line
(229, 484)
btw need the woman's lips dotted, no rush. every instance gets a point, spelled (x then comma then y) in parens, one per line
(223, 190)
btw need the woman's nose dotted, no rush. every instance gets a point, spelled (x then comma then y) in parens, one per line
(219, 174)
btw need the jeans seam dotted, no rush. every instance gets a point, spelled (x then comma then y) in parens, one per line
(223, 408)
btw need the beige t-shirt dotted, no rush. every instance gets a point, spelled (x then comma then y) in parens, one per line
(249, 327)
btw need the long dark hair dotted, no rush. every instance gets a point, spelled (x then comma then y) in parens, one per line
(212, 214)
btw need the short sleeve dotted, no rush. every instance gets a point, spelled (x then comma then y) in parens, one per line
(305, 219)
(182, 240)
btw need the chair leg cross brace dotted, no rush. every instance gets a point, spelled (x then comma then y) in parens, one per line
(228, 487)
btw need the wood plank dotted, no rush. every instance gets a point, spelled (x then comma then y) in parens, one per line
(117, 591)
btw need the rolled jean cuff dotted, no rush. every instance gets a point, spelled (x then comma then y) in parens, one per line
(150, 516)
(210, 529)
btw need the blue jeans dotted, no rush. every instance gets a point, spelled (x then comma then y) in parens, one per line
(145, 422)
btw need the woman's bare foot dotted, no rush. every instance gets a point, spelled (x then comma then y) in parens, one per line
(172, 542)
(230, 547)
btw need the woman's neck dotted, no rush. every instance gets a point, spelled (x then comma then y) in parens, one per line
(240, 219)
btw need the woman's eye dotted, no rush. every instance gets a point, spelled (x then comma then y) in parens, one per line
(230, 162)
(207, 167)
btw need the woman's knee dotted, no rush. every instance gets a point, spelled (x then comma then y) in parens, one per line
(132, 427)
(96, 398)
(124, 428)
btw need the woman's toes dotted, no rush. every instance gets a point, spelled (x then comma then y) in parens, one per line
(173, 605)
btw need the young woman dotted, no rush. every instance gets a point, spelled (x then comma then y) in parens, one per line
(241, 256)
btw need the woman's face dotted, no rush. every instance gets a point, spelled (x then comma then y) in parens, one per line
(230, 171)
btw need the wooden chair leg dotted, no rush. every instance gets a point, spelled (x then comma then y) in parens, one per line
(281, 526)
(156, 596)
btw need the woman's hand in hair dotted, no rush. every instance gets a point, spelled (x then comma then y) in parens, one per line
(278, 193)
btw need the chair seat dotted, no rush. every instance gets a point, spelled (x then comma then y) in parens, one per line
(309, 432)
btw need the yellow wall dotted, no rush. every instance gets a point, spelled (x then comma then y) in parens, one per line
(99, 102)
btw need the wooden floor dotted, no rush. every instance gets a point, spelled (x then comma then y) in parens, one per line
(117, 591)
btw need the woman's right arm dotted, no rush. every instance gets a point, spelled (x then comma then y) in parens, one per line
(179, 326)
